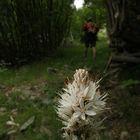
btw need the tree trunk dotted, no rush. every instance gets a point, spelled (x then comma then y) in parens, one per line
(124, 25)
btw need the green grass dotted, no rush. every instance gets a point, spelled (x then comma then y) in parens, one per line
(31, 90)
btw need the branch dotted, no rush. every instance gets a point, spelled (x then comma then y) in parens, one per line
(124, 58)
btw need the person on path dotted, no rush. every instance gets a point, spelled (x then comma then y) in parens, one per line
(90, 36)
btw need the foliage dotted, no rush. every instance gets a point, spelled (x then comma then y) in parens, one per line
(95, 9)
(98, 10)
(30, 29)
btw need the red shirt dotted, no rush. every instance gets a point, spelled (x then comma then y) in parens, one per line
(89, 26)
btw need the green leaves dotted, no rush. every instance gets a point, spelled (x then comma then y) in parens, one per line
(27, 123)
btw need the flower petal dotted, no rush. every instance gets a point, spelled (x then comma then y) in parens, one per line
(86, 91)
(81, 102)
(77, 114)
(83, 117)
(90, 112)
(87, 106)
(75, 108)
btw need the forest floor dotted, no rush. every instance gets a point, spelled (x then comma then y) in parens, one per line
(28, 96)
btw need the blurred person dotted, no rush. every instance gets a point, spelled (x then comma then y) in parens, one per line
(90, 37)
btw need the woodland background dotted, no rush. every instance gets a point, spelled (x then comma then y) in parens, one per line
(40, 47)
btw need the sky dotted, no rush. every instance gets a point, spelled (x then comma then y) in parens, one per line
(78, 3)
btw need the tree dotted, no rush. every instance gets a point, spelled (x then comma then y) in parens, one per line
(92, 8)
(30, 29)
(98, 10)
(124, 30)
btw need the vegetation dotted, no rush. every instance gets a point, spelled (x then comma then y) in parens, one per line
(31, 29)
(92, 9)
(31, 91)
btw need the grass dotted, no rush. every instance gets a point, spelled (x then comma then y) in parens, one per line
(32, 90)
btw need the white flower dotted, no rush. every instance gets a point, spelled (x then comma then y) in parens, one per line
(99, 102)
(89, 91)
(81, 77)
(80, 103)
(83, 110)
